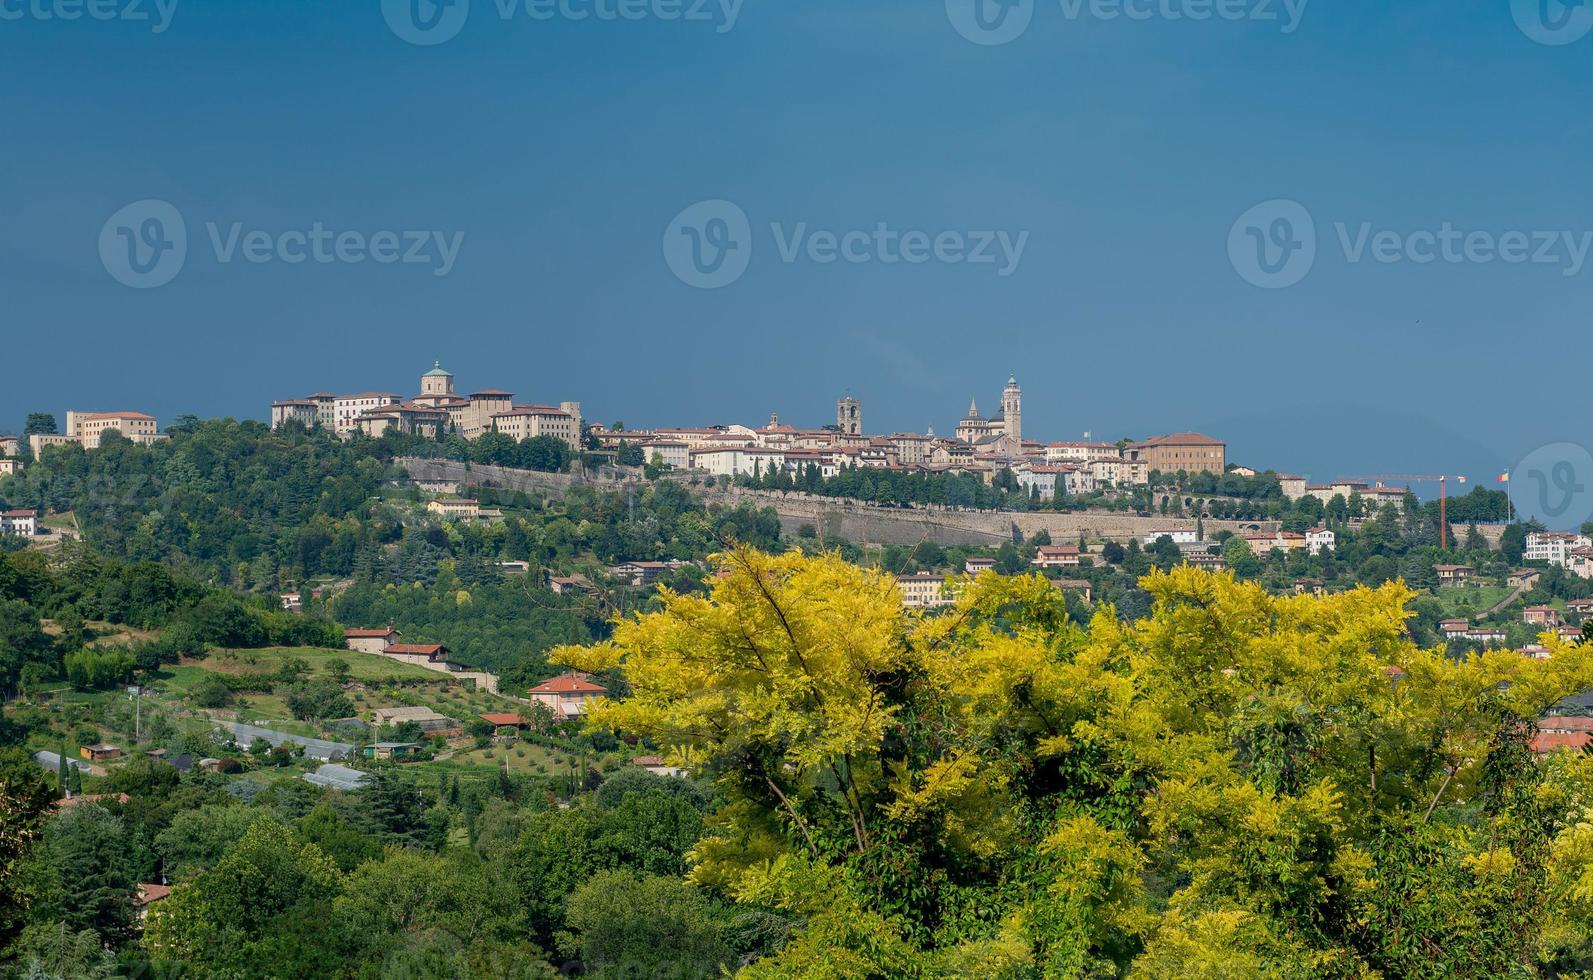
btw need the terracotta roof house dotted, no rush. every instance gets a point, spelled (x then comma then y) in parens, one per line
(433, 653)
(1545, 616)
(370, 640)
(567, 695)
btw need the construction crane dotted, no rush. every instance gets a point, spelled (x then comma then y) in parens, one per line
(1384, 479)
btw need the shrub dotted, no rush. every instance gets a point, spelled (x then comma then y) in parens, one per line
(211, 692)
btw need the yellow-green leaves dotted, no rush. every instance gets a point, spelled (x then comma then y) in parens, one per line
(1238, 785)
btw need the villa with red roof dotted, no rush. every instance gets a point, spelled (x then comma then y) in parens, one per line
(567, 695)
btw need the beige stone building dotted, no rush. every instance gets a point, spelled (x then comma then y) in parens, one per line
(304, 411)
(347, 409)
(406, 417)
(87, 428)
(522, 422)
(923, 591)
(370, 641)
(1189, 452)
(455, 508)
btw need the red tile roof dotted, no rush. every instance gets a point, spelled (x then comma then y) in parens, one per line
(416, 649)
(568, 684)
(149, 894)
(388, 631)
(1546, 742)
(503, 719)
(1565, 724)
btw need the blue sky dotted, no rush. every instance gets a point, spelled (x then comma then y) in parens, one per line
(557, 152)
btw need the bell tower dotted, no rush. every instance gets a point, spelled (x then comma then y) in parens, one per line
(1012, 413)
(849, 416)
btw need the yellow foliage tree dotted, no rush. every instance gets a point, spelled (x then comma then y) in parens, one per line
(1239, 785)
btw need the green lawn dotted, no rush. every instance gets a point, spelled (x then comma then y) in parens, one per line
(1479, 599)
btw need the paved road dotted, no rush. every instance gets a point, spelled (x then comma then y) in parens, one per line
(315, 748)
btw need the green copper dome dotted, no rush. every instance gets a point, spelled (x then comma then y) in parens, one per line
(437, 371)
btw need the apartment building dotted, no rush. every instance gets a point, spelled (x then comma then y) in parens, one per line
(1555, 547)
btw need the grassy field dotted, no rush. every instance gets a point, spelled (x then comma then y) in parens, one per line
(1470, 601)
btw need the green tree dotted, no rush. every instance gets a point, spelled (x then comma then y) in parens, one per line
(625, 926)
(25, 800)
(265, 909)
(198, 839)
(40, 423)
(88, 882)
